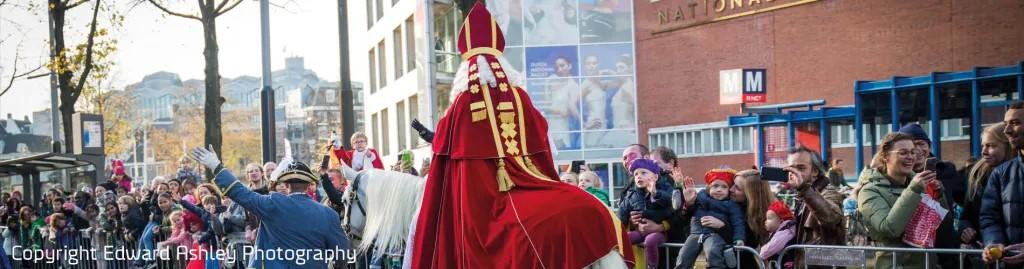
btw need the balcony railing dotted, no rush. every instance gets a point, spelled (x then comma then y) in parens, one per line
(447, 62)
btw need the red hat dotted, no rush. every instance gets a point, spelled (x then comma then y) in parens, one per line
(720, 174)
(781, 210)
(117, 166)
(480, 33)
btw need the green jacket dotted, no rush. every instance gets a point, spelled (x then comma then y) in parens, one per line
(30, 237)
(886, 208)
(600, 194)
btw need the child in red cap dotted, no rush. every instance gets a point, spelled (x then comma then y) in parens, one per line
(712, 202)
(780, 224)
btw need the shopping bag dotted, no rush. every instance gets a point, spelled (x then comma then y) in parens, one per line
(922, 227)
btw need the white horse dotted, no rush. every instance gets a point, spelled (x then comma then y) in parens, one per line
(381, 208)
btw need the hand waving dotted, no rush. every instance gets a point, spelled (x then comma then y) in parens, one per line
(689, 190)
(206, 157)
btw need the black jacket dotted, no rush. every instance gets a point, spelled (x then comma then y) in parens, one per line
(1002, 204)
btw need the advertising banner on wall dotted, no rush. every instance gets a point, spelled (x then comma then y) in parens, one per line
(578, 58)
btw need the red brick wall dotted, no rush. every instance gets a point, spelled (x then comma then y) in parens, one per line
(814, 51)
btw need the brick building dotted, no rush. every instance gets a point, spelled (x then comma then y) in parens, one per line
(812, 50)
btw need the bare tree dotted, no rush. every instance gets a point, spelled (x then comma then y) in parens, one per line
(209, 10)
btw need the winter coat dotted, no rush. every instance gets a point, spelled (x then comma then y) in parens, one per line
(134, 221)
(234, 224)
(601, 194)
(31, 236)
(820, 214)
(725, 210)
(886, 209)
(213, 228)
(970, 216)
(657, 208)
(1002, 204)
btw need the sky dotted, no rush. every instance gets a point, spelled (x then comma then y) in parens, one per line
(150, 42)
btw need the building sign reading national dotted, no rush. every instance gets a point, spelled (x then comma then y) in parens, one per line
(679, 14)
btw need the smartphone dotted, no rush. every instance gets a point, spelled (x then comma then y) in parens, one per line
(575, 166)
(774, 174)
(931, 163)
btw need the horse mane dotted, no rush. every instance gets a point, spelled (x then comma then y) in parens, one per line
(389, 209)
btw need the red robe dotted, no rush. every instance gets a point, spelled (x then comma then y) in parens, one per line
(346, 156)
(465, 221)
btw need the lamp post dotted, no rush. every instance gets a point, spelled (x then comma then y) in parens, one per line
(267, 112)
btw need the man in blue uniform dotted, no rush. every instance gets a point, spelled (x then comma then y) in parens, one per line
(294, 227)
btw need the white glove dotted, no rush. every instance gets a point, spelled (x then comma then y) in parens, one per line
(206, 157)
(336, 141)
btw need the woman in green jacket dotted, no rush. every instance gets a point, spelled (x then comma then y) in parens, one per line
(887, 200)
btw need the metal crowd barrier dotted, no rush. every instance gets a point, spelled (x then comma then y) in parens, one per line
(854, 256)
(738, 249)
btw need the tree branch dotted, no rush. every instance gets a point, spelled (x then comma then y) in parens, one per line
(70, 5)
(172, 13)
(221, 10)
(88, 50)
(15, 75)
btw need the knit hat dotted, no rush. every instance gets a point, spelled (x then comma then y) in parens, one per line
(644, 164)
(726, 175)
(118, 167)
(915, 131)
(780, 209)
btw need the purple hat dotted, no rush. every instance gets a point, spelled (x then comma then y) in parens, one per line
(645, 164)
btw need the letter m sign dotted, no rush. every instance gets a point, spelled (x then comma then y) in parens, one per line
(755, 89)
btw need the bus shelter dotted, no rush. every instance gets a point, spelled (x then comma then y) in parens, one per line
(951, 106)
(784, 126)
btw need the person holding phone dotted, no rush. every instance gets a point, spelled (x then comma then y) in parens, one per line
(891, 194)
(954, 186)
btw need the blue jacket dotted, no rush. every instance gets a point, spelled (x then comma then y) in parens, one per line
(640, 200)
(725, 210)
(289, 222)
(1002, 204)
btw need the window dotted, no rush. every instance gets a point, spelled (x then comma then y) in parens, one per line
(711, 141)
(402, 135)
(369, 14)
(380, 9)
(386, 144)
(376, 132)
(414, 112)
(381, 70)
(396, 38)
(373, 72)
(410, 45)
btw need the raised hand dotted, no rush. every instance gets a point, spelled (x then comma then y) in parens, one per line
(689, 190)
(206, 157)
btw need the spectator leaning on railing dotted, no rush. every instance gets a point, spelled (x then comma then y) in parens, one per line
(1002, 205)
(890, 194)
(818, 206)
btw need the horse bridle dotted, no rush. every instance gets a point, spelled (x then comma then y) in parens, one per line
(353, 197)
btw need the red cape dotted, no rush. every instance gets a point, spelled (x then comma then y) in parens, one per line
(465, 221)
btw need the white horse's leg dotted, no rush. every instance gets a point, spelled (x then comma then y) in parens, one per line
(611, 261)
(407, 260)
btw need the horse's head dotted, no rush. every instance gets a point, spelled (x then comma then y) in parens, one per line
(355, 204)
(379, 206)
